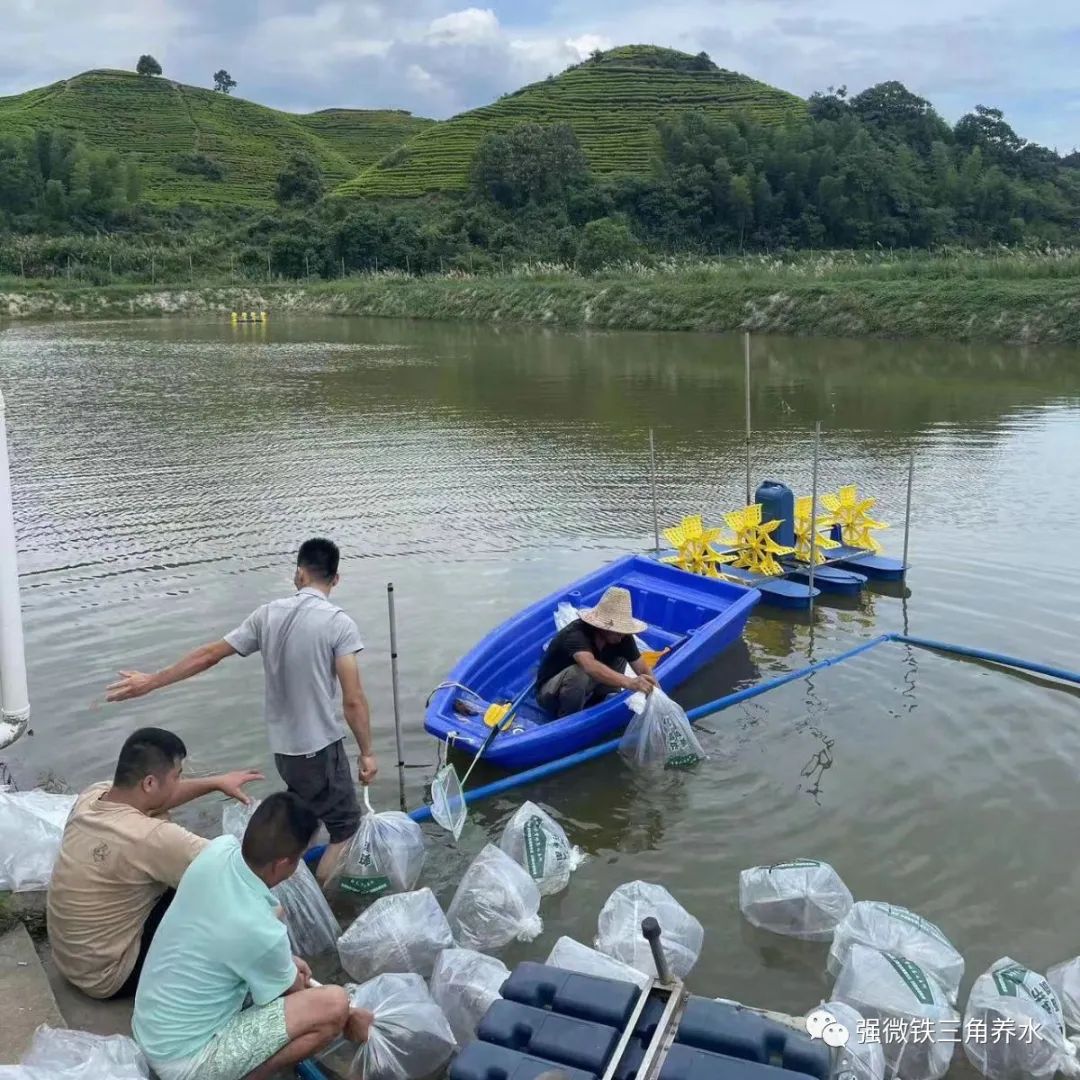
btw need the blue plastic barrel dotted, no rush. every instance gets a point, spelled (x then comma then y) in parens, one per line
(778, 504)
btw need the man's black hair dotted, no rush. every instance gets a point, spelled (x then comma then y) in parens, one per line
(150, 751)
(319, 557)
(281, 828)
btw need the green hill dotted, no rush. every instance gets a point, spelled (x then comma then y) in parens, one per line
(613, 102)
(171, 129)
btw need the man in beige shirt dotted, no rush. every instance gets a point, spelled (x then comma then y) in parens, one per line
(121, 860)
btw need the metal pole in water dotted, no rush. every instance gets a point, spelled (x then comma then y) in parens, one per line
(813, 512)
(652, 481)
(746, 350)
(394, 691)
(14, 697)
(907, 512)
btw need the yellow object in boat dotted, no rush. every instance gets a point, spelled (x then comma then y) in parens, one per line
(651, 656)
(496, 714)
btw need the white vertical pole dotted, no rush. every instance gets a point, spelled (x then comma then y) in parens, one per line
(394, 691)
(746, 350)
(813, 513)
(907, 512)
(14, 697)
(652, 481)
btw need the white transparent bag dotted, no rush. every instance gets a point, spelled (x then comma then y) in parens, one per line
(910, 1009)
(659, 736)
(60, 1054)
(403, 932)
(409, 1038)
(448, 806)
(1010, 997)
(385, 855)
(464, 984)
(571, 955)
(31, 828)
(496, 903)
(619, 930)
(803, 898)
(890, 928)
(1065, 980)
(313, 928)
(537, 842)
(862, 1057)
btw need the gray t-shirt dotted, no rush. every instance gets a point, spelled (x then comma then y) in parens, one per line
(300, 637)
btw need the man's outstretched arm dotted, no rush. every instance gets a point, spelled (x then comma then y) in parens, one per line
(357, 715)
(133, 684)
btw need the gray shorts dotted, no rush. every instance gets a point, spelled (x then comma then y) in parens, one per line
(324, 780)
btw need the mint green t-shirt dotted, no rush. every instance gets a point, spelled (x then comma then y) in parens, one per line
(219, 941)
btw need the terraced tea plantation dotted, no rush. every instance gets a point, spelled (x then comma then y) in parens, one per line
(162, 123)
(613, 104)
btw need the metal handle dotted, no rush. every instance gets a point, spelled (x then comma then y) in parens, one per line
(650, 929)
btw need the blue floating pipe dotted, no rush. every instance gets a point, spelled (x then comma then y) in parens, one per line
(990, 657)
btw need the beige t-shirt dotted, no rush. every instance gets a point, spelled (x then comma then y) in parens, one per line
(114, 864)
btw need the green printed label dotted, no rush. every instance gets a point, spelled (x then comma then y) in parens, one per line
(365, 886)
(913, 976)
(536, 843)
(362, 875)
(679, 751)
(795, 864)
(1009, 981)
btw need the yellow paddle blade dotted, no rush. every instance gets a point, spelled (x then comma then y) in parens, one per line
(651, 656)
(852, 514)
(495, 714)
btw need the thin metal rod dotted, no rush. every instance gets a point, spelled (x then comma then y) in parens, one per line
(813, 512)
(14, 696)
(394, 691)
(652, 482)
(907, 512)
(746, 351)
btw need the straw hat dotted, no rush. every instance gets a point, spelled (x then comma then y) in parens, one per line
(614, 613)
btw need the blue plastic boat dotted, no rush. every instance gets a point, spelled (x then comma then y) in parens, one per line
(695, 617)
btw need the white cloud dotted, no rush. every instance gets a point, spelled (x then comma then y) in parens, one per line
(473, 26)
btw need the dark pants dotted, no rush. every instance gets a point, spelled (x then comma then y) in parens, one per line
(571, 691)
(324, 780)
(153, 921)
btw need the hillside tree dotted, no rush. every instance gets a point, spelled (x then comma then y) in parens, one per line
(300, 182)
(530, 163)
(147, 65)
(223, 82)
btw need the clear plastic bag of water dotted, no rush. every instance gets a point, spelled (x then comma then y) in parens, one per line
(448, 806)
(313, 928)
(496, 903)
(385, 855)
(659, 736)
(537, 842)
(908, 1008)
(890, 928)
(1065, 980)
(862, 1057)
(619, 929)
(60, 1054)
(31, 828)
(403, 932)
(803, 898)
(571, 955)
(464, 984)
(409, 1038)
(1012, 999)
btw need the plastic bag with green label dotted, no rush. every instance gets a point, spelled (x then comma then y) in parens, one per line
(1011, 998)
(1065, 979)
(464, 984)
(803, 898)
(536, 841)
(660, 735)
(386, 855)
(905, 1007)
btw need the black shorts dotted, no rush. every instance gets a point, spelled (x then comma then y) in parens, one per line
(324, 780)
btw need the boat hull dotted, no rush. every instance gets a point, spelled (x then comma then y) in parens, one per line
(695, 617)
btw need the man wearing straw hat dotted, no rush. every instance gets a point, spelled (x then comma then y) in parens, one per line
(586, 661)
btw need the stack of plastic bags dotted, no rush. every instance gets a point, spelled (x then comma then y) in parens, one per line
(803, 899)
(58, 1054)
(404, 932)
(409, 1036)
(313, 929)
(31, 828)
(1065, 980)
(571, 955)
(660, 735)
(496, 903)
(619, 931)
(1009, 997)
(537, 842)
(464, 984)
(386, 854)
(862, 1056)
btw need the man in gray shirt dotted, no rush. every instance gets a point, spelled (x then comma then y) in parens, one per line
(309, 646)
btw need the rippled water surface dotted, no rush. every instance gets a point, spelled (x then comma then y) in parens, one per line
(165, 473)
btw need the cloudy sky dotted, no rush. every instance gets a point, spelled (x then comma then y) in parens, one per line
(439, 57)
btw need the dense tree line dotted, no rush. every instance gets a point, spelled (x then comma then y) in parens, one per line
(878, 169)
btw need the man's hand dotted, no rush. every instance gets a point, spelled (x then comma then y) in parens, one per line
(358, 1026)
(304, 971)
(644, 684)
(368, 768)
(232, 783)
(132, 684)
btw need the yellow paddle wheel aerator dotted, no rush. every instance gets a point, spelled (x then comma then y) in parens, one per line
(852, 514)
(756, 549)
(803, 527)
(693, 542)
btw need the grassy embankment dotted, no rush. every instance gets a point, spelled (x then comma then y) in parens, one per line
(1015, 297)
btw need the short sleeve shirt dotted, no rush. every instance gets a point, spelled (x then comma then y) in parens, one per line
(114, 864)
(300, 638)
(579, 637)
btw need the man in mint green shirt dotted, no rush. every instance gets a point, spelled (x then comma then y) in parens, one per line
(221, 940)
